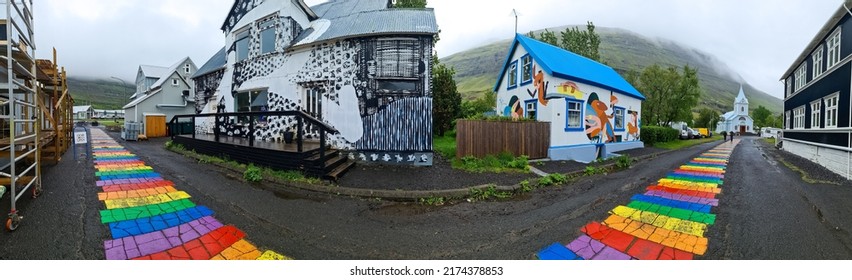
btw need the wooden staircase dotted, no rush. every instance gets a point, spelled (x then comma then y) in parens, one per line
(333, 166)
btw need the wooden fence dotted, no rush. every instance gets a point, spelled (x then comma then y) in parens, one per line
(481, 138)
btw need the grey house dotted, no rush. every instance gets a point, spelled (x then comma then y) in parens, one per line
(161, 92)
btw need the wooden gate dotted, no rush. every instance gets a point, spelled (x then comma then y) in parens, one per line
(155, 126)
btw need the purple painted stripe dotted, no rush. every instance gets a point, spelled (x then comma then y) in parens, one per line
(684, 198)
(586, 247)
(159, 241)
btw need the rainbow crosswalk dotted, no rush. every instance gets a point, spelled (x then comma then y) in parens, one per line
(149, 219)
(667, 222)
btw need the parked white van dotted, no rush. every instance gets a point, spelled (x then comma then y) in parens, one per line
(770, 132)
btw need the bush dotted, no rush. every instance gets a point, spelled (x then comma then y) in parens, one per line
(623, 162)
(656, 134)
(253, 174)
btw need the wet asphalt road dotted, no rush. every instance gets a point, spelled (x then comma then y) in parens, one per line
(64, 223)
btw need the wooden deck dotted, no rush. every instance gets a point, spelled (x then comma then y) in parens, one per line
(276, 155)
(307, 146)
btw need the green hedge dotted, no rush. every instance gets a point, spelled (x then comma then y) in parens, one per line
(657, 134)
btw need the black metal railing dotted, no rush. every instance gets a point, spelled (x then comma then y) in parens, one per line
(301, 118)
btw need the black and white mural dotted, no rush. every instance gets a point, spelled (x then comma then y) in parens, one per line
(374, 90)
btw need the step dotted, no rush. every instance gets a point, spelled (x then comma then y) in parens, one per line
(334, 162)
(340, 170)
(328, 154)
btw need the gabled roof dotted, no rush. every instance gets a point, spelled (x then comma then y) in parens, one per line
(216, 62)
(341, 8)
(141, 98)
(78, 109)
(241, 7)
(171, 70)
(826, 30)
(152, 71)
(560, 63)
(375, 22)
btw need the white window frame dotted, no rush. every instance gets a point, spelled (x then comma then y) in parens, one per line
(242, 34)
(799, 118)
(187, 68)
(833, 44)
(816, 111)
(831, 110)
(578, 111)
(789, 86)
(801, 76)
(817, 58)
(174, 81)
(787, 120)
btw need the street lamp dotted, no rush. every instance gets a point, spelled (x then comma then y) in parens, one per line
(125, 89)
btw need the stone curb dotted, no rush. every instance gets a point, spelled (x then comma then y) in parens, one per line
(400, 195)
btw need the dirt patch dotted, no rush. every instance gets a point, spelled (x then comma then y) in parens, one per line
(439, 176)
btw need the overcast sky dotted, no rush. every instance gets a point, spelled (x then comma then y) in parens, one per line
(757, 38)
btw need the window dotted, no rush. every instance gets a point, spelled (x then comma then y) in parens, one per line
(787, 119)
(512, 76)
(174, 82)
(267, 37)
(398, 58)
(831, 110)
(250, 101)
(799, 118)
(526, 69)
(186, 68)
(816, 108)
(531, 108)
(618, 118)
(817, 58)
(242, 45)
(788, 86)
(312, 101)
(801, 78)
(573, 115)
(833, 44)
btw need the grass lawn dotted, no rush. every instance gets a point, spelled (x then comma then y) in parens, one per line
(771, 141)
(680, 144)
(108, 122)
(445, 145)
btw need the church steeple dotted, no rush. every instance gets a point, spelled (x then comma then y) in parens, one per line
(741, 103)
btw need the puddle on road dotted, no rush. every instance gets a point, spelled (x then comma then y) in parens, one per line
(286, 195)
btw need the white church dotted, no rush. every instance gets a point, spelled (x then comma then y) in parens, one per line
(737, 120)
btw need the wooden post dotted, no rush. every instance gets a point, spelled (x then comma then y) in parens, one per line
(299, 133)
(322, 144)
(251, 131)
(193, 127)
(216, 128)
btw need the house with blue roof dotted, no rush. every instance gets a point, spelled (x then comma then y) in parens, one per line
(361, 67)
(593, 112)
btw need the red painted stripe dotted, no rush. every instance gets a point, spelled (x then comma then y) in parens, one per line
(633, 246)
(202, 248)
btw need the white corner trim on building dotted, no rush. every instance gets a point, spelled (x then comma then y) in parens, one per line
(832, 158)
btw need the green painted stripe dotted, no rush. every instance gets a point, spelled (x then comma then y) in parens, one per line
(683, 214)
(132, 213)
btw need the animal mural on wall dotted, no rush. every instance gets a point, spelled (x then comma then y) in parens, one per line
(515, 109)
(598, 127)
(569, 89)
(540, 86)
(633, 126)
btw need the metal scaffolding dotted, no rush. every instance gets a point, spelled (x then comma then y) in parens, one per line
(21, 117)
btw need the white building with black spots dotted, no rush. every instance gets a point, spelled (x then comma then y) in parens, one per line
(361, 67)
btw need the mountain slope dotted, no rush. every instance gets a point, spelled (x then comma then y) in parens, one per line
(101, 93)
(477, 68)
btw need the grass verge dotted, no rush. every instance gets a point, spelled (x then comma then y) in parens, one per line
(680, 144)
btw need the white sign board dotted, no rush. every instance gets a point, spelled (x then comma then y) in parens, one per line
(80, 138)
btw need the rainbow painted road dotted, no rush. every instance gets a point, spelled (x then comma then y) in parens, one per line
(667, 222)
(150, 219)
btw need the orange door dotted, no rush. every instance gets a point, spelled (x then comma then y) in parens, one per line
(155, 126)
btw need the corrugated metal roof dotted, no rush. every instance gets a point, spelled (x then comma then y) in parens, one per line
(387, 21)
(78, 109)
(341, 8)
(568, 65)
(216, 62)
(153, 71)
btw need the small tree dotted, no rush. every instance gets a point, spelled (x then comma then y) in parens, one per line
(707, 118)
(762, 117)
(410, 4)
(446, 105)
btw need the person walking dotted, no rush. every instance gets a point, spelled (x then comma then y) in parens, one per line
(724, 136)
(732, 136)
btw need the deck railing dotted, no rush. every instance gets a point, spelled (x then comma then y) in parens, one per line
(301, 118)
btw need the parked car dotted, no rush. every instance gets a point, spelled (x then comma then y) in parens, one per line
(770, 132)
(704, 132)
(687, 133)
(695, 133)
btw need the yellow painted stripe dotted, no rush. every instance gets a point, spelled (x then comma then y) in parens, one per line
(147, 200)
(273, 256)
(688, 183)
(684, 242)
(661, 221)
(135, 193)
